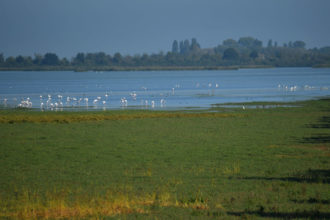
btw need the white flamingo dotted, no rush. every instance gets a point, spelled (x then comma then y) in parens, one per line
(162, 102)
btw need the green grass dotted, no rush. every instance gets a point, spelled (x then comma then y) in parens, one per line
(223, 163)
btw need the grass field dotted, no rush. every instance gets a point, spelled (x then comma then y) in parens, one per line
(221, 163)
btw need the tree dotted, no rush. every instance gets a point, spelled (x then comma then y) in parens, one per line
(194, 45)
(181, 47)
(175, 47)
(250, 42)
(145, 59)
(10, 61)
(230, 54)
(28, 61)
(117, 59)
(101, 59)
(64, 62)
(186, 47)
(20, 60)
(23, 61)
(270, 43)
(37, 59)
(229, 43)
(79, 59)
(2, 58)
(254, 54)
(128, 60)
(299, 44)
(325, 50)
(50, 59)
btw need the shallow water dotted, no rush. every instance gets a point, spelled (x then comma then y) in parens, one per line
(159, 89)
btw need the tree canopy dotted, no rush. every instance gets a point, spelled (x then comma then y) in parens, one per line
(230, 54)
(245, 51)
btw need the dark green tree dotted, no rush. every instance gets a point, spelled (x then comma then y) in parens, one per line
(250, 42)
(186, 47)
(270, 43)
(37, 59)
(145, 59)
(101, 59)
(50, 59)
(129, 60)
(20, 60)
(229, 43)
(10, 61)
(254, 54)
(2, 59)
(79, 59)
(175, 47)
(64, 62)
(181, 47)
(117, 59)
(325, 50)
(194, 45)
(299, 44)
(230, 54)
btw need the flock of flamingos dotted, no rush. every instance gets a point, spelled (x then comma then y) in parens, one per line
(59, 102)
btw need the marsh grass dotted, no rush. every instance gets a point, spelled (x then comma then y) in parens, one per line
(72, 204)
(269, 163)
(234, 170)
(49, 117)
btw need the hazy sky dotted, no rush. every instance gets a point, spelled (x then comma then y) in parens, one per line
(138, 26)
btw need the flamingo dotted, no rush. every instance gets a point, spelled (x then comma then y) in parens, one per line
(123, 101)
(162, 102)
(133, 95)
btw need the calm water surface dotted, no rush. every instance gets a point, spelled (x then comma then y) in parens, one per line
(160, 89)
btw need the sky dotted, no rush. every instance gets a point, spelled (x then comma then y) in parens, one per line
(131, 27)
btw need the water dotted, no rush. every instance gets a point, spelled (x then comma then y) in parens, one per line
(66, 90)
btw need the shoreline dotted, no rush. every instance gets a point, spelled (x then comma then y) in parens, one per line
(148, 68)
(134, 68)
(214, 108)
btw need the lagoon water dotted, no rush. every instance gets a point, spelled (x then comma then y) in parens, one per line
(66, 90)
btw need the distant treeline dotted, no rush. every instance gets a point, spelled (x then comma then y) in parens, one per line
(247, 52)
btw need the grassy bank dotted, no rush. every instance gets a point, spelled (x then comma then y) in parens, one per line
(228, 163)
